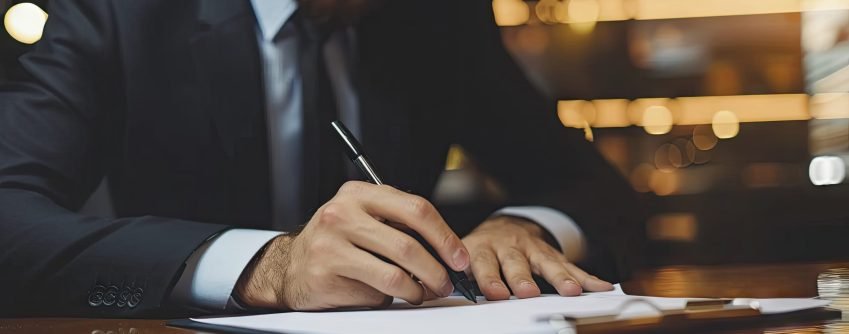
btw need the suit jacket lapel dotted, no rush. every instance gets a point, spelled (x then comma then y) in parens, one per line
(227, 57)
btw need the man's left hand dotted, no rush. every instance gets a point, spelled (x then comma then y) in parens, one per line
(515, 248)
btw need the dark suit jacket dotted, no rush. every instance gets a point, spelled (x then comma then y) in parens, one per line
(166, 98)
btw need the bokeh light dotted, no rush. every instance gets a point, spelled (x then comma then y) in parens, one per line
(695, 155)
(725, 124)
(456, 158)
(25, 22)
(665, 183)
(510, 12)
(641, 177)
(827, 170)
(583, 15)
(657, 120)
(666, 156)
(570, 114)
(769, 174)
(551, 11)
(672, 227)
(611, 113)
(637, 108)
(703, 137)
(681, 159)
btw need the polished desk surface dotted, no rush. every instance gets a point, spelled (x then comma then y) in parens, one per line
(777, 280)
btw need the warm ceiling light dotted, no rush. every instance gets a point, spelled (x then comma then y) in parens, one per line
(725, 124)
(551, 11)
(583, 15)
(657, 120)
(611, 113)
(570, 113)
(510, 12)
(25, 22)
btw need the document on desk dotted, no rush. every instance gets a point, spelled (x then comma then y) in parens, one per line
(457, 315)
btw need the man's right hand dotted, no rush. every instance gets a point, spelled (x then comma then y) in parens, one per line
(332, 263)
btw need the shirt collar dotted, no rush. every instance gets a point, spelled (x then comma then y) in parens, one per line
(271, 15)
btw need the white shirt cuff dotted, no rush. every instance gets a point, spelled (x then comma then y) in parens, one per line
(214, 268)
(567, 234)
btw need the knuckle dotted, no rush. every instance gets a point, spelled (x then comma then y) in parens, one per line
(420, 207)
(545, 248)
(521, 278)
(513, 255)
(512, 239)
(405, 247)
(352, 187)
(543, 258)
(500, 280)
(447, 240)
(491, 277)
(331, 213)
(442, 276)
(394, 279)
(388, 188)
(537, 267)
(563, 276)
(483, 257)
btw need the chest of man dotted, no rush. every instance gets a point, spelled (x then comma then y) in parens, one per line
(193, 135)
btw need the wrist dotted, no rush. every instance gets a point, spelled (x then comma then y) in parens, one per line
(535, 229)
(525, 224)
(260, 286)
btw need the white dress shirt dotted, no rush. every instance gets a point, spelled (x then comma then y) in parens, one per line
(213, 269)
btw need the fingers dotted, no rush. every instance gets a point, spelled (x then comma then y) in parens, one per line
(428, 294)
(416, 213)
(485, 269)
(589, 282)
(555, 273)
(517, 271)
(403, 250)
(358, 294)
(386, 278)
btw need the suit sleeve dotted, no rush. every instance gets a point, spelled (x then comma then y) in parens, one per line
(59, 130)
(513, 133)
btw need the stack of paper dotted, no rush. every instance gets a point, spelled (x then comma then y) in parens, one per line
(457, 315)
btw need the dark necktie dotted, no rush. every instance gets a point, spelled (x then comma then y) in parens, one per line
(323, 168)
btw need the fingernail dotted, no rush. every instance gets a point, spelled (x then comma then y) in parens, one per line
(460, 258)
(571, 288)
(526, 284)
(446, 289)
(496, 285)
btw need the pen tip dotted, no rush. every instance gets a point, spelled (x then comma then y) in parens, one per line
(470, 295)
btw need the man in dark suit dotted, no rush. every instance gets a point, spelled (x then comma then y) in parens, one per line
(209, 118)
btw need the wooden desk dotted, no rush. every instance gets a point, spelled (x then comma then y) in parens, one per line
(786, 280)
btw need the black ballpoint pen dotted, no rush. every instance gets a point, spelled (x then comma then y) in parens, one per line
(355, 153)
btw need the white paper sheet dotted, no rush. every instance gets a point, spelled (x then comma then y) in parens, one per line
(457, 315)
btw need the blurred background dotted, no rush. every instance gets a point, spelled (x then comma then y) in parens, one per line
(731, 118)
